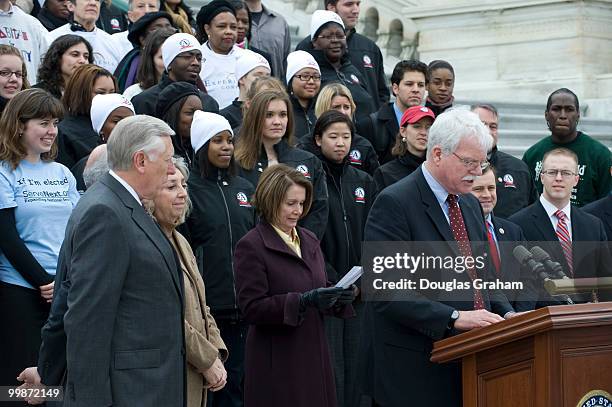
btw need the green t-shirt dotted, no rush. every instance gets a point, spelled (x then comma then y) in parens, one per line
(594, 163)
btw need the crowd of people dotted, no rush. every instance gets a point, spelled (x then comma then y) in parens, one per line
(180, 195)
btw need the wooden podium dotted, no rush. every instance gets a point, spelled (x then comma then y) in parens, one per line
(553, 356)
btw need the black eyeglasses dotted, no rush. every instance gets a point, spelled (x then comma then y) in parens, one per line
(7, 74)
(306, 78)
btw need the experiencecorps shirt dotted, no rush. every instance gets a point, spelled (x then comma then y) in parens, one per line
(43, 195)
(219, 74)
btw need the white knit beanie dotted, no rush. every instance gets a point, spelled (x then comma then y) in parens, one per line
(103, 105)
(205, 126)
(249, 60)
(177, 44)
(322, 17)
(298, 60)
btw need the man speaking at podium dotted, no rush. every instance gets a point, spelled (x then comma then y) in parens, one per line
(430, 206)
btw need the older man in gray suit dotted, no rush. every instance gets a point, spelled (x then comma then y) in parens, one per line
(124, 317)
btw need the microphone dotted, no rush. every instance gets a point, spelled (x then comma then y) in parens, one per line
(525, 258)
(541, 256)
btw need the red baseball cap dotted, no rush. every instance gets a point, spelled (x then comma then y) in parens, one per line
(414, 114)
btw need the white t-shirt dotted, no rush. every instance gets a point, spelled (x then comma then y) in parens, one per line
(106, 52)
(28, 35)
(123, 44)
(132, 91)
(219, 74)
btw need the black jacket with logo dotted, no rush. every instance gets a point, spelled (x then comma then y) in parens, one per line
(366, 56)
(351, 194)
(112, 19)
(221, 216)
(396, 169)
(515, 187)
(311, 167)
(361, 156)
(349, 76)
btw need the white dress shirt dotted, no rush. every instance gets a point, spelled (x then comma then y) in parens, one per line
(550, 211)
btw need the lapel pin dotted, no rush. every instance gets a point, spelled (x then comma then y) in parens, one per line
(501, 231)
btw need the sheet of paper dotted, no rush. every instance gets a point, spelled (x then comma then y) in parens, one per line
(350, 277)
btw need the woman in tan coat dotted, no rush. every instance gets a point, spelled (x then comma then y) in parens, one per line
(204, 346)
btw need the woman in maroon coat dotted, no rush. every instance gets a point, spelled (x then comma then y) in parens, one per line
(281, 283)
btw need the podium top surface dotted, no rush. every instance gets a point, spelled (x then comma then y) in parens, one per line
(522, 326)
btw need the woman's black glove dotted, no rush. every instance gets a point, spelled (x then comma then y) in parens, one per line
(347, 296)
(322, 298)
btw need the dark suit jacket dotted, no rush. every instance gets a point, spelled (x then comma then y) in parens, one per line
(602, 208)
(590, 258)
(403, 332)
(121, 301)
(509, 235)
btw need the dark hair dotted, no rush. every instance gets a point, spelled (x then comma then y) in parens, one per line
(78, 94)
(410, 65)
(206, 168)
(239, 5)
(492, 169)
(147, 75)
(327, 119)
(485, 106)
(50, 71)
(439, 64)
(558, 91)
(215, 7)
(329, 3)
(25, 105)
(173, 114)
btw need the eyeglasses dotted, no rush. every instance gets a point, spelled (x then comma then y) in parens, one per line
(306, 78)
(473, 164)
(564, 173)
(7, 74)
(337, 37)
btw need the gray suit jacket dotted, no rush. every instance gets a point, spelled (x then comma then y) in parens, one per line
(124, 316)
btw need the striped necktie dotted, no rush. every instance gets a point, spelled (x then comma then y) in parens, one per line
(565, 240)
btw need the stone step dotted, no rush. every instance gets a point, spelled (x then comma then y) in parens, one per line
(530, 122)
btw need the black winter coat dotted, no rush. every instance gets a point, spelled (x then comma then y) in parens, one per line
(365, 56)
(515, 187)
(304, 118)
(311, 167)
(351, 194)
(75, 139)
(361, 156)
(233, 113)
(349, 76)
(391, 172)
(221, 216)
(145, 102)
(381, 129)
